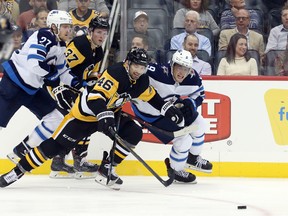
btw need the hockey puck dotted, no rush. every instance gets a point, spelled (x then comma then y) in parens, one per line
(241, 207)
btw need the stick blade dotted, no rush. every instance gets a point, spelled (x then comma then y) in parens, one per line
(171, 173)
(171, 177)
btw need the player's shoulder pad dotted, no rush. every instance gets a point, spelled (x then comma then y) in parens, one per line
(192, 79)
(158, 70)
(117, 71)
(46, 37)
(81, 43)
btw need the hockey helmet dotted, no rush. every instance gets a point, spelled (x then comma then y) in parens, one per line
(99, 22)
(138, 56)
(58, 17)
(183, 58)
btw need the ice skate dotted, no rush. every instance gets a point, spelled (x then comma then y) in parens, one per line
(181, 176)
(83, 168)
(198, 163)
(102, 174)
(18, 153)
(59, 169)
(10, 177)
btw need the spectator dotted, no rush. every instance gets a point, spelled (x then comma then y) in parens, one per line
(17, 37)
(13, 8)
(278, 36)
(281, 63)
(237, 61)
(139, 41)
(25, 18)
(25, 5)
(191, 44)
(228, 21)
(40, 21)
(206, 19)
(81, 17)
(4, 12)
(98, 5)
(190, 24)
(255, 40)
(17, 42)
(141, 25)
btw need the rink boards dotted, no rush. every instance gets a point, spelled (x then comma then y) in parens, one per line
(247, 131)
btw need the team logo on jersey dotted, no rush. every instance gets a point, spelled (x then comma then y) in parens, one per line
(216, 110)
(165, 69)
(276, 101)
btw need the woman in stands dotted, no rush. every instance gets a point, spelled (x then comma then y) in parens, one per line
(237, 61)
(206, 19)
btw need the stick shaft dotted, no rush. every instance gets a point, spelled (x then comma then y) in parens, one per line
(128, 146)
(174, 134)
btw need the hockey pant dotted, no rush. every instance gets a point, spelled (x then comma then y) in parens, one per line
(68, 134)
(12, 97)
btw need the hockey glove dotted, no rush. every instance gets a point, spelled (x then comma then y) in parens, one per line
(51, 78)
(173, 113)
(65, 98)
(189, 110)
(105, 121)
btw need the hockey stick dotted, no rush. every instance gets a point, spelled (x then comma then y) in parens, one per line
(129, 147)
(178, 133)
(118, 117)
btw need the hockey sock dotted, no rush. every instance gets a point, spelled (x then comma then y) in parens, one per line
(80, 149)
(33, 159)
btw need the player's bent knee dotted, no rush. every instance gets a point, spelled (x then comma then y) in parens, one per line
(50, 148)
(132, 133)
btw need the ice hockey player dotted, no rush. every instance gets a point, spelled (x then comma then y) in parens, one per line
(94, 111)
(84, 55)
(177, 81)
(41, 60)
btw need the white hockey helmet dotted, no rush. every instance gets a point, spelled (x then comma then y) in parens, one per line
(58, 17)
(183, 58)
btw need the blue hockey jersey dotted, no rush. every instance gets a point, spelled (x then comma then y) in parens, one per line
(160, 77)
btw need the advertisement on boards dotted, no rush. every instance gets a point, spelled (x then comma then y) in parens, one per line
(216, 110)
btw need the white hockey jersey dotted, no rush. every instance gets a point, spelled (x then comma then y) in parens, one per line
(161, 79)
(41, 57)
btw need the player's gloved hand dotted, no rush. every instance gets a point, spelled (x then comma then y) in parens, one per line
(64, 97)
(51, 78)
(105, 121)
(170, 111)
(188, 109)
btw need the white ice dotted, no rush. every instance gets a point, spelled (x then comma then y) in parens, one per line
(211, 196)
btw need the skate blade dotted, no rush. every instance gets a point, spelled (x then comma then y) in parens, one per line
(103, 181)
(84, 175)
(61, 175)
(13, 158)
(190, 167)
(180, 182)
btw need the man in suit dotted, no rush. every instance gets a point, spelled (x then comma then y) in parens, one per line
(255, 40)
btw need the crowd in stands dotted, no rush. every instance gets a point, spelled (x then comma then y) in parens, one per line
(214, 23)
(162, 26)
